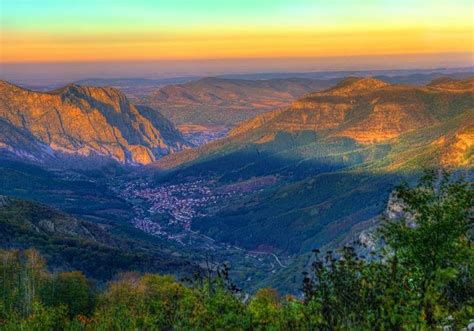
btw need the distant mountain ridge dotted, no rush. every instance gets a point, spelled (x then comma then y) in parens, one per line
(228, 101)
(365, 110)
(397, 76)
(82, 122)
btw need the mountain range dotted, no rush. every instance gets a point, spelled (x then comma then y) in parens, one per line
(364, 111)
(313, 168)
(219, 101)
(334, 157)
(82, 123)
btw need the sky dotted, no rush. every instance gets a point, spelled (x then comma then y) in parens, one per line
(289, 34)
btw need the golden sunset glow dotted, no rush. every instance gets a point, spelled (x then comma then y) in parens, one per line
(49, 31)
(235, 45)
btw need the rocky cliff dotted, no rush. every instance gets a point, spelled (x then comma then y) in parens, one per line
(82, 122)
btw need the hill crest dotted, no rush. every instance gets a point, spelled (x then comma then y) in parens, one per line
(381, 114)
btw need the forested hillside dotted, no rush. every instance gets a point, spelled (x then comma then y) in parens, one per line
(69, 243)
(421, 279)
(329, 161)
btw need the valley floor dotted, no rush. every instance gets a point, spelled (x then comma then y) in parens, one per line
(167, 211)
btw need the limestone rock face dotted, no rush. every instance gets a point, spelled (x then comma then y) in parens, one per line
(83, 122)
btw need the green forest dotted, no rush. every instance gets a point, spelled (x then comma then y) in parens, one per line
(419, 278)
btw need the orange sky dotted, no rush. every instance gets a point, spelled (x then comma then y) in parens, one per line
(235, 45)
(59, 31)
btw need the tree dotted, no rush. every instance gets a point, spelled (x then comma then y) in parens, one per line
(164, 299)
(265, 309)
(9, 281)
(431, 241)
(422, 276)
(73, 290)
(32, 277)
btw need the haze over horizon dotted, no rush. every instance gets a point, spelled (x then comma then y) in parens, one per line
(51, 40)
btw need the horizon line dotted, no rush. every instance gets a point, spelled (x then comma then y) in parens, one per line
(250, 58)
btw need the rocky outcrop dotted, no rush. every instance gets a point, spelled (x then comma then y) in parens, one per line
(4, 201)
(45, 220)
(83, 122)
